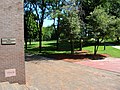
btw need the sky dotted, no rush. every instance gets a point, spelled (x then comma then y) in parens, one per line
(47, 23)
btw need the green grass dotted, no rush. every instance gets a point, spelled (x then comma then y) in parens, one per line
(49, 47)
(113, 52)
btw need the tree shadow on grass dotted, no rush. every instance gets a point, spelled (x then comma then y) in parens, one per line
(51, 52)
(35, 57)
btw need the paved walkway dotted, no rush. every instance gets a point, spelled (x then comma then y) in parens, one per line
(111, 64)
(59, 75)
(118, 47)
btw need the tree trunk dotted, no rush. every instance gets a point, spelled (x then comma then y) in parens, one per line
(30, 41)
(80, 44)
(95, 49)
(118, 39)
(40, 36)
(40, 40)
(72, 44)
(96, 46)
(57, 35)
(104, 46)
(25, 36)
(25, 43)
(40, 26)
(41, 20)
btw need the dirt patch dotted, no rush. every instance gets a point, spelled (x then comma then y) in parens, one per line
(78, 57)
(81, 52)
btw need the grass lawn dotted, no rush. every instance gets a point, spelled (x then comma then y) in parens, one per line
(113, 52)
(49, 47)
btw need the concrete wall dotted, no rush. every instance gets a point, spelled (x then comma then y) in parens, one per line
(12, 66)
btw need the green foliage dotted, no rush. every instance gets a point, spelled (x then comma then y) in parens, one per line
(117, 27)
(31, 26)
(73, 20)
(47, 33)
(114, 7)
(99, 21)
(89, 6)
(70, 23)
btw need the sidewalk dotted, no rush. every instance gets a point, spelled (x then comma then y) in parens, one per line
(110, 64)
(118, 47)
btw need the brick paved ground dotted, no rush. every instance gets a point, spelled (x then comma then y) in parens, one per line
(60, 75)
(110, 64)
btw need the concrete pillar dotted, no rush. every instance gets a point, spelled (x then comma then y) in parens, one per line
(12, 64)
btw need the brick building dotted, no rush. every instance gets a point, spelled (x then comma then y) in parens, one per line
(12, 65)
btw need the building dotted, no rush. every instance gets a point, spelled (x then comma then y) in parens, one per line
(12, 64)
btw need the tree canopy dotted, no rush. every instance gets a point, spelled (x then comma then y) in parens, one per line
(73, 20)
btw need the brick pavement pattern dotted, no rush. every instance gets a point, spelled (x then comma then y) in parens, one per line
(59, 75)
(110, 64)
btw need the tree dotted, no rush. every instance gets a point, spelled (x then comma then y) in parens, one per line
(70, 23)
(81, 15)
(30, 24)
(89, 6)
(48, 33)
(114, 7)
(56, 15)
(99, 22)
(114, 10)
(115, 28)
(41, 9)
(27, 11)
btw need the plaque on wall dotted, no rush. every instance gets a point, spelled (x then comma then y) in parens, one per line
(10, 72)
(8, 41)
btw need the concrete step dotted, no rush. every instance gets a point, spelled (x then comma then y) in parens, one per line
(5, 86)
(15, 86)
(8, 87)
(32, 88)
(23, 87)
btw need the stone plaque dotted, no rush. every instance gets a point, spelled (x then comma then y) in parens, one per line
(8, 41)
(10, 72)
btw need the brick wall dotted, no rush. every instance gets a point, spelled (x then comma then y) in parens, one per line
(12, 56)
